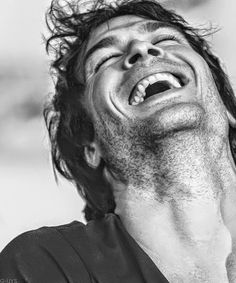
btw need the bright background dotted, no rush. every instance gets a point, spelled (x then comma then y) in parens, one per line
(29, 196)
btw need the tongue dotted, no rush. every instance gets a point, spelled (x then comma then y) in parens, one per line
(156, 88)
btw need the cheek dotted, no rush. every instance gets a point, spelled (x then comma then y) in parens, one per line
(185, 53)
(196, 62)
(98, 97)
(96, 91)
(107, 82)
(207, 89)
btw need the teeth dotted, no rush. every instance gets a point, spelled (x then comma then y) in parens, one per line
(145, 83)
(152, 79)
(175, 83)
(141, 88)
(139, 92)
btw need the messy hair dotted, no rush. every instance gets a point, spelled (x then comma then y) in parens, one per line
(69, 125)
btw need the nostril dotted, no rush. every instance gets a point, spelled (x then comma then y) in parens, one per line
(154, 52)
(134, 58)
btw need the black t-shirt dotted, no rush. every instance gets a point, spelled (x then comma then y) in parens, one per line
(100, 252)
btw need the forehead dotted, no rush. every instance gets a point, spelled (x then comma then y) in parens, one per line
(114, 25)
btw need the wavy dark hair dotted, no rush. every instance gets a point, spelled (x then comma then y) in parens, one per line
(70, 127)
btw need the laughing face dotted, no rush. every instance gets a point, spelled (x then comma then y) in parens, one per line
(144, 82)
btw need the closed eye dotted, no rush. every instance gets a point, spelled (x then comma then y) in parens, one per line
(166, 38)
(105, 59)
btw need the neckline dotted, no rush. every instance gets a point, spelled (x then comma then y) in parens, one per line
(142, 256)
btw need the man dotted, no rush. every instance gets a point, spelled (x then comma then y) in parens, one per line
(143, 122)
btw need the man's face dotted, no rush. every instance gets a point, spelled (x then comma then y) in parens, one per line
(145, 81)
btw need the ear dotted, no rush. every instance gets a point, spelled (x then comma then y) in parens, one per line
(232, 120)
(92, 155)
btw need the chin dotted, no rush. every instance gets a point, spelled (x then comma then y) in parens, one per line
(178, 117)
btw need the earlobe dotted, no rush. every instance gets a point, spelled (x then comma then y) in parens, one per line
(232, 120)
(92, 155)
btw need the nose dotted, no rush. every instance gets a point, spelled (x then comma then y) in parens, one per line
(141, 51)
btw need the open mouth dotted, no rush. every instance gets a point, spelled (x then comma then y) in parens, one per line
(153, 85)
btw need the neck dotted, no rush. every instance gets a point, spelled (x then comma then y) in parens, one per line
(186, 234)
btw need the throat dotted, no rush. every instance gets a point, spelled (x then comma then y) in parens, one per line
(175, 215)
(183, 208)
(183, 239)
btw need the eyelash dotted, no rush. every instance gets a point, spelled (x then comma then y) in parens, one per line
(169, 37)
(104, 60)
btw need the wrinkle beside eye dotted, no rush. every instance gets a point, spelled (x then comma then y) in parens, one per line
(92, 67)
(104, 60)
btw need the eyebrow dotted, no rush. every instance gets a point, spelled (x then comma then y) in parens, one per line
(110, 41)
(152, 26)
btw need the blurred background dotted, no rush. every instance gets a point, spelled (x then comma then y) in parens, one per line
(29, 196)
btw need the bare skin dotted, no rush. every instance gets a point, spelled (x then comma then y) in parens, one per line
(177, 192)
(186, 236)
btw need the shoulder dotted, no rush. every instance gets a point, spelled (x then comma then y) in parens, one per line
(44, 255)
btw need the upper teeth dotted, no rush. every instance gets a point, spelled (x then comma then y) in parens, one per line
(139, 91)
